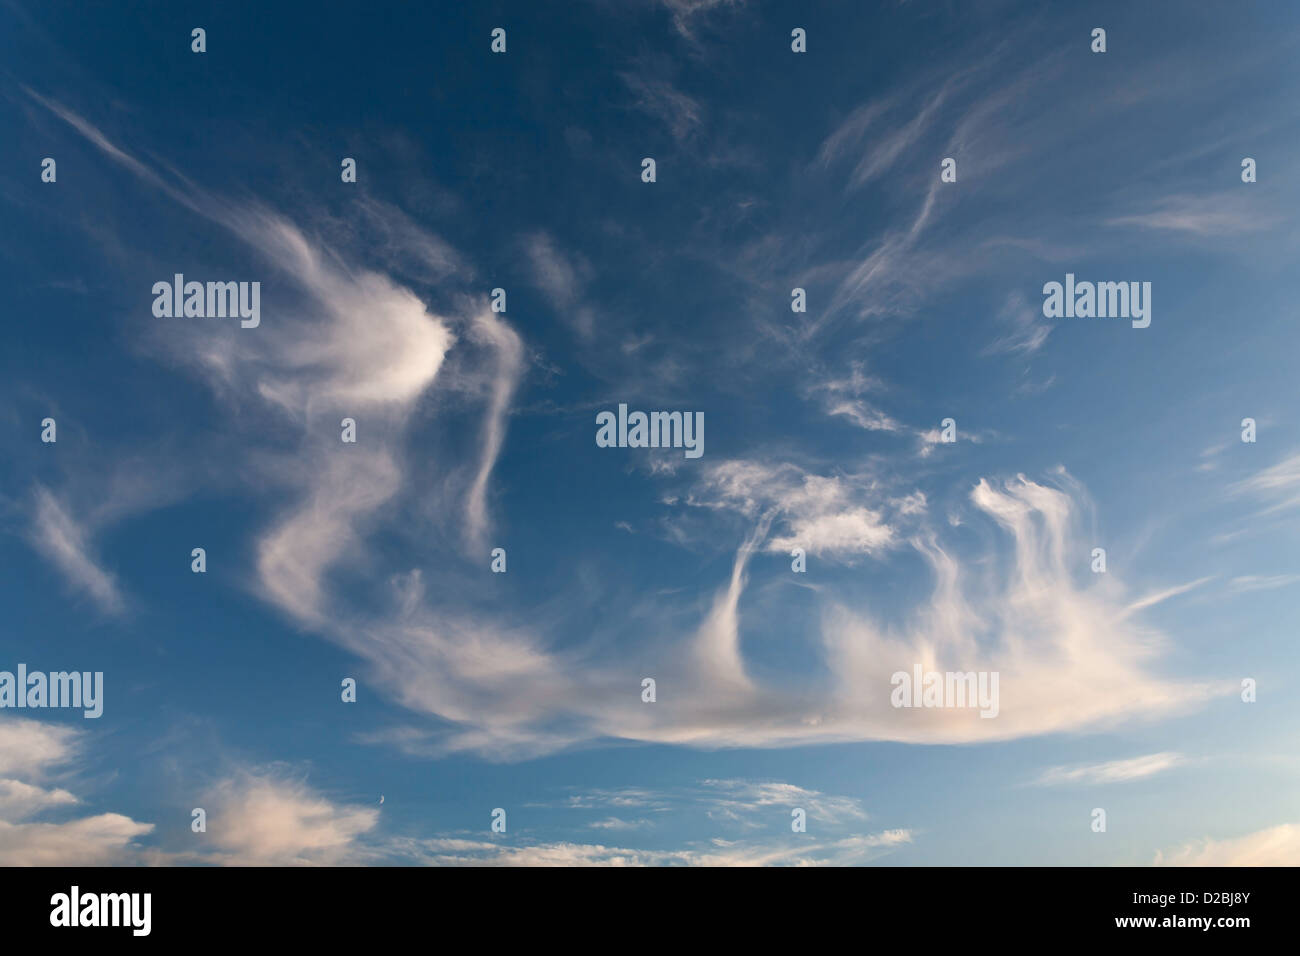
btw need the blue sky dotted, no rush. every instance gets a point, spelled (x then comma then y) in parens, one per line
(775, 170)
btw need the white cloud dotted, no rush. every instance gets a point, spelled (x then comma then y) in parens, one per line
(33, 750)
(614, 823)
(1113, 771)
(255, 818)
(509, 350)
(20, 800)
(1025, 331)
(623, 797)
(361, 345)
(1158, 597)
(294, 555)
(1255, 582)
(847, 851)
(65, 543)
(1067, 656)
(822, 514)
(563, 279)
(262, 820)
(928, 439)
(1274, 846)
(843, 397)
(1230, 213)
(884, 151)
(682, 114)
(863, 415)
(91, 841)
(1278, 485)
(846, 138)
(265, 817)
(716, 645)
(736, 797)
(912, 504)
(364, 345)
(853, 531)
(686, 12)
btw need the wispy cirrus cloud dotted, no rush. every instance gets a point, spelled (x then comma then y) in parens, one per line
(1229, 213)
(739, 799)
(500, 688)
(1262, 582)
(656, 96)
(1159, 597)
(1112, 771)
(360, 345)
(1068, 656)
(66, 544)
(614, 823)
(730, 801)
(563, 278)
(509, 351)
(687, 13)
(1024, 331)
(1278, 485)
(848, 851)
(845, 396)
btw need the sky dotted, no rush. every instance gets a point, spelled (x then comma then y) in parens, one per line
(912, 473)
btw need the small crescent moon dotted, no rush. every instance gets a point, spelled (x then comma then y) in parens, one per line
(381, 798)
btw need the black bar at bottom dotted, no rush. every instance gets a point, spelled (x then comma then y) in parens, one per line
(653, 908)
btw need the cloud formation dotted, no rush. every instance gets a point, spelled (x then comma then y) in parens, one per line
(1274, 846)
(66, 544)
(356, 342)
(1113, 771)
(34, 750)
